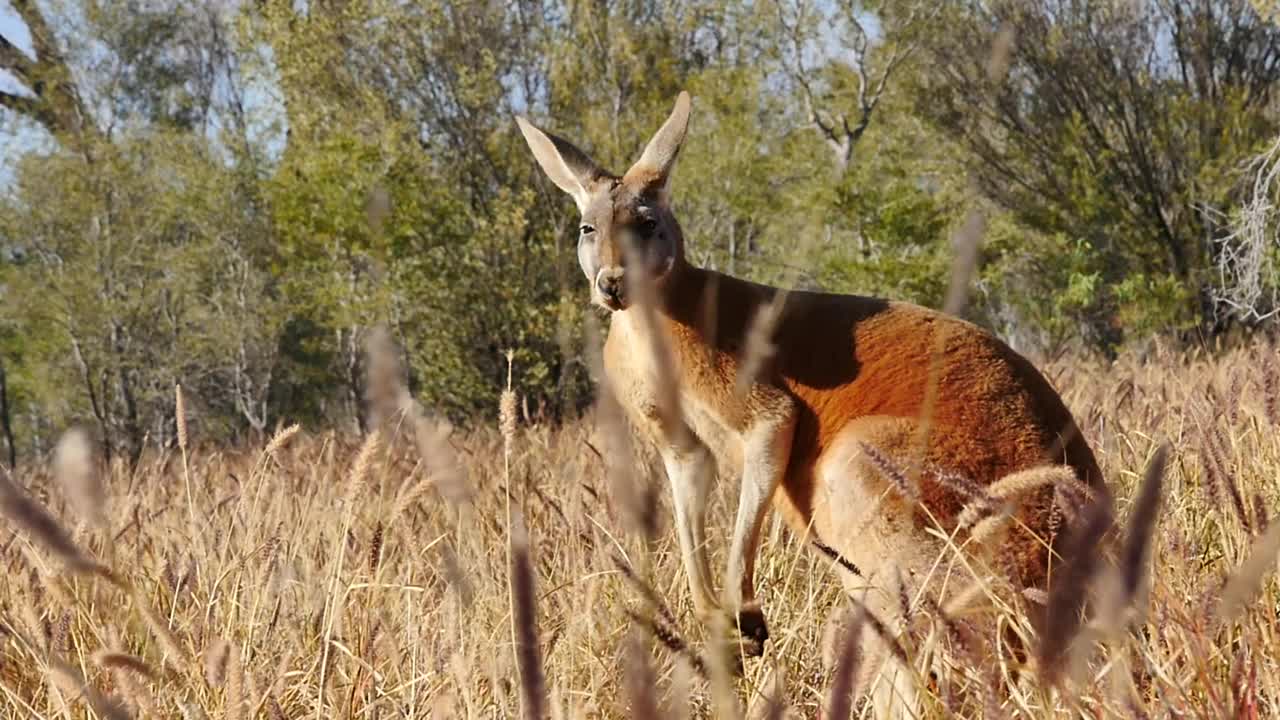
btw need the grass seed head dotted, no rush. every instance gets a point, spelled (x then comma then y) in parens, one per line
(180, 416)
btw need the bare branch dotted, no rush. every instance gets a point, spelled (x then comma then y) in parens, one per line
(56, 103)
(1248, 279)
(42, 39)
(21, 104)
(14, 60)
(843, 129)
(800, 75)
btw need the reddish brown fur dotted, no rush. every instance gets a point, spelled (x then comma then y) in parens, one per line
(844, 357)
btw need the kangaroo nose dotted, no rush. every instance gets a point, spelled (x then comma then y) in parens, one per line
(611, 287)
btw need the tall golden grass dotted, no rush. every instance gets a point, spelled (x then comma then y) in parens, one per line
(501, 573)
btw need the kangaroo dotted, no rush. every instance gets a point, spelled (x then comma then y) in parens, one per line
(850, 427)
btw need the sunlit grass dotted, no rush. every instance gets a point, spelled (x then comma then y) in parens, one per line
(327, 576)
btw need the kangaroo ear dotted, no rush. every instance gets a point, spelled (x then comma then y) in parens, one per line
(659, 159)
(568, 167)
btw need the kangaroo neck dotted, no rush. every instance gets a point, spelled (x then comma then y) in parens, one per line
(680, 292)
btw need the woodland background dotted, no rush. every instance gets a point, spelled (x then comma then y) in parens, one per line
(231, 195)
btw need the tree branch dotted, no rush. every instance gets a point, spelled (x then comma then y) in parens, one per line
(42, 40)
(843, 130)
(14, 60)
(57, 104)
(20, 104)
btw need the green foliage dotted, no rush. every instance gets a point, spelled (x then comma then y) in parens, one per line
(892, 214)
(1117, 128)
(138, 272)
(257, 186)
(1041, 291)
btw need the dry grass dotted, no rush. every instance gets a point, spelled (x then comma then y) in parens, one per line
(323, 576)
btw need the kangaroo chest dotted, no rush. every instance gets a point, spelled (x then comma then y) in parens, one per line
(639, 380)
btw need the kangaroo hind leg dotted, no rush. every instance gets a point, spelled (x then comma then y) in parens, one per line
(864, 514)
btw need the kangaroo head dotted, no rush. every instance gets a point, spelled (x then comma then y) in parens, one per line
(627, 227)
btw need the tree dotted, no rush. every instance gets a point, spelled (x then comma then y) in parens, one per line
(143, 256)
(233, 195)
(1117, 121)
(1248, 252)
(54, 100)
(166, 288)
(841, 90)
(6, 419)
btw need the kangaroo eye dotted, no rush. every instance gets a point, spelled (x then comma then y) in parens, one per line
(647, 226)
(586, 229)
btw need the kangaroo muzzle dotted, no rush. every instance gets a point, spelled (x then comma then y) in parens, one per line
(612, 288)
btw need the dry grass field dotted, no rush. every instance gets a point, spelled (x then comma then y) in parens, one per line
(325, 576)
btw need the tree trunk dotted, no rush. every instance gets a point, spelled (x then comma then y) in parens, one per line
(6, 422)
(99, 412)
(132, 426)
(355, 380)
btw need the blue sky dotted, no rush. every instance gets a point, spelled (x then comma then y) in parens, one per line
(12, 143)
(15, 32)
